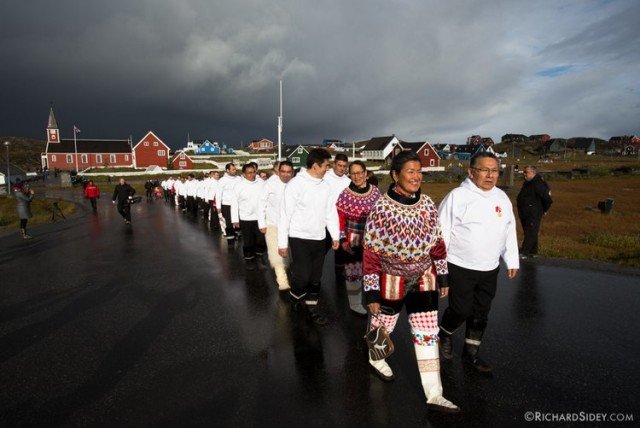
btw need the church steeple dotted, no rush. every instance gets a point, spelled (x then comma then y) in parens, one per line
(53, 132)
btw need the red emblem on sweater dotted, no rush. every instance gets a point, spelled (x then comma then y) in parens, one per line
(498, 211)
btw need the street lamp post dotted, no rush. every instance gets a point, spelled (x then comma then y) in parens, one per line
(7, 144)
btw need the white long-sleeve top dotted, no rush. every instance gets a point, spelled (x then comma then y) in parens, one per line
(246, 198)
(478, 228)
(192, 187)
(306, 209)
(202, 185)
(181, 187)
(269, 208)
(224, 196)
(336, 183)
(211, 189)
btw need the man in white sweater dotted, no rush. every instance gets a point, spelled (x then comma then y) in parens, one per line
(269, 213)
(244, 215)
(307, 211)
(479, 228)
(338, 181)
(224, 196)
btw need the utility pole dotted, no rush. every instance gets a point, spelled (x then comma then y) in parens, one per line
(280, 126)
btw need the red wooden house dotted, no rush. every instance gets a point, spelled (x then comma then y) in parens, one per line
(83, 153)
(150, 150)
(262, 145)
(429, 157)
(182, 161)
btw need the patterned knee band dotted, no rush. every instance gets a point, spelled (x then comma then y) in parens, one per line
(388, 320)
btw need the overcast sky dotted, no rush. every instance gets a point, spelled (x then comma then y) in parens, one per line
(436, 70)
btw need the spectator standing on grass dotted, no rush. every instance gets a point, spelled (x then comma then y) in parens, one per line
(479, 228)
(534, 200)
(92, 192)
(123, 195)
(24, 196)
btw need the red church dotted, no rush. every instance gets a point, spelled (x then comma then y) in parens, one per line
(151, 150)
(81, 153)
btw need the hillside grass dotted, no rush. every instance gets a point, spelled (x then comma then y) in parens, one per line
(573, 227)
(40, 208)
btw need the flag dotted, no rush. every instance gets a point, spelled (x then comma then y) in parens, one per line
(75, 129)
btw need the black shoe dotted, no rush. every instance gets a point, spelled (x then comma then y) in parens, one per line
(316, 317)
(446, 347)
(477, 363)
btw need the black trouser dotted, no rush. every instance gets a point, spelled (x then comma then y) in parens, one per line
(94, 204)
(229, 230)
(124, 208)
(531, 227)
(182, 202)
(253, 242)
(192, 206)
(23, 223)
(470, 296)
(307, 258)
(206, 206)
(214, 222)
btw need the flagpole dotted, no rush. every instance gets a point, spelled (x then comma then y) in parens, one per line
(75, 146)
(280, 126)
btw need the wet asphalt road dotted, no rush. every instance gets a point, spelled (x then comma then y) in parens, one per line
(157, 324)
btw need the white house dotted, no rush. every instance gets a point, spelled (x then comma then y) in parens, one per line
(378, 148)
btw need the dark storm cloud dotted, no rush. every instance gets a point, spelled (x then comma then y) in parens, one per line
(439, 70)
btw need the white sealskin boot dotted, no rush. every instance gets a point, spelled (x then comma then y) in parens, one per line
(281, 278)
(429, 368)
(382, 369)
(354, 293)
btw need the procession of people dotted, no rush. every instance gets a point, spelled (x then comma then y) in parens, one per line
(391, 249)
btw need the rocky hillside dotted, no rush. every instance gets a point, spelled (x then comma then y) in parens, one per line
(23, 152)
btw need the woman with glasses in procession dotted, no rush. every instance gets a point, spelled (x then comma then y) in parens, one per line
(404, 264)
(354, 205)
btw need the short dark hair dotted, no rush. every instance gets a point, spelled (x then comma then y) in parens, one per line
(246, 166)
(317, 156)
(254, 164)
(482, 155)
(402, 158)
(285, 163)
(372, 179)
(341, 157)
(359, 163)
(531, 167)
(228, 166)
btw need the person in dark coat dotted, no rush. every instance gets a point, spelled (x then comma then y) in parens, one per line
(534, 200)
(24, 196)
(123, 194)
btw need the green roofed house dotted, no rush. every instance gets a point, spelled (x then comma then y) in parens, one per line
(297, 155)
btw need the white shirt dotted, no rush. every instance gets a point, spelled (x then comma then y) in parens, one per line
(225, 189)
(269, 209)
(211, 189)
(479, 227)
(246, 198)
(181, 187)
(306, 210)
(192, 187)
(337, 184)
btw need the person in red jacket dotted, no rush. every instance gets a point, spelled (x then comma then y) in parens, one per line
(92, 192)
